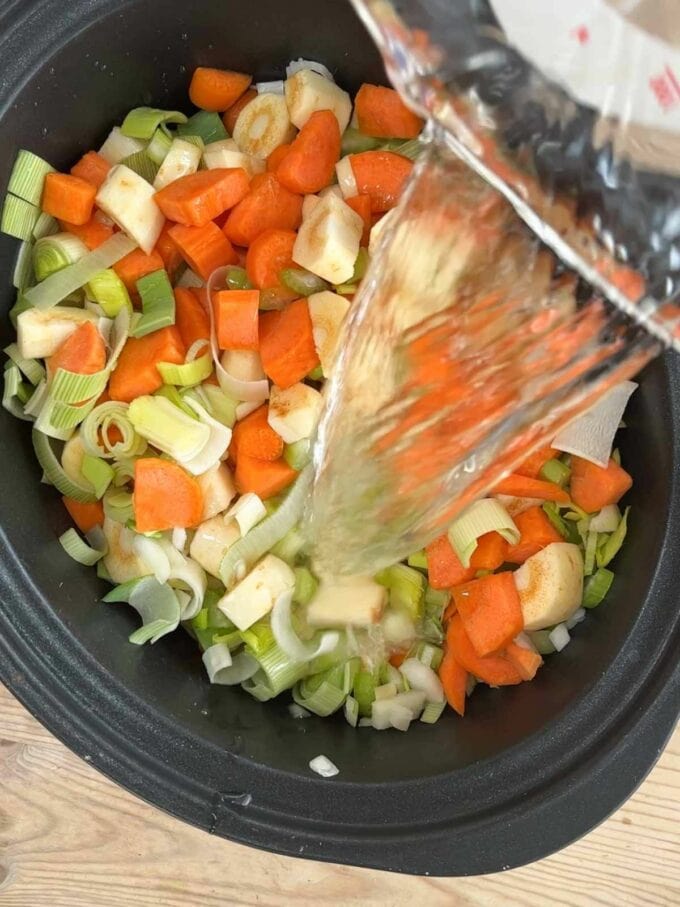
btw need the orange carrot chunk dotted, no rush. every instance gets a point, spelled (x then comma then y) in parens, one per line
(93, 233)
(68, 198)
(137, 264)
(381, 113)
(92, 168)
(490, 610)
(277, 156)
(265, 478)
(236, 319)
(217, 89)
(254, 437)
(165, 496)
(454, 680)
(200, 197)
(490, 553)
(230, 117)
(83, 352)
(496, 670)
(310, 163)
(85, 516)
(203, 248)
(191, 319)
(524, 487)
(166, 247)
(268, 205)
(536, 532)
(136, 373)
(382, 176)
(362, 205)
(444, 568)
(525, 660)
(268, 255)
(593, 487)
(533, 465)
(287, 344)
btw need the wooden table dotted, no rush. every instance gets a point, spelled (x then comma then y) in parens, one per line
(71, 838)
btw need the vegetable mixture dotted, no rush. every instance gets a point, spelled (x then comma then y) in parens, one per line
(181, 294)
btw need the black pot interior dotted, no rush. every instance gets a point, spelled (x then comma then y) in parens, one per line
(143, 53)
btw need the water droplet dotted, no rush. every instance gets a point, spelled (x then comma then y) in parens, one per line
(182, 68)
(52, 70)
(103, 67)
(44, 131)
(184, 36)
(204, 712)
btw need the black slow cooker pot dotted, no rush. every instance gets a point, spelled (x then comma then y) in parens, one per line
(528, 770)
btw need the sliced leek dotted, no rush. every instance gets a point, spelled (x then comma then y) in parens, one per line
(19, 217)
(79, 550)
(158, 303)
(142, 122)
(31, 368)
(55, 473)
(487, 515)
(27, 179)
(206, 125)
(108, 291)
(23, 267)
(54, 253)
(159, 146)
(98, 473)
(141, 164)
(168, 428)
(111, 416)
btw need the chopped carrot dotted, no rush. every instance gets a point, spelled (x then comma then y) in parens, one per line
(200, 197)
(277, 156)
(217, 89)
(93, 233)
(533, 464)
(490, 610)
(254, 437)
(165, 496)
(85, 516)
(536, 532)
(203, 248)
(287, 344)
(230, 117)
(362, 205)
(490, 553)
(593, 487)
(236, 319)
(496, 670)
(92, 168)
(68, 198)
(444, 568)
(310, 163)
(265, 478)
(268, 205)
(191, 319)
(524, 487)
(382, 176)
(526, 661)
(397, 659)
(166, 247)
(268, 255)
(381, 113)
(136, 373)
(454, 680)
(83, 352)
(137, 264)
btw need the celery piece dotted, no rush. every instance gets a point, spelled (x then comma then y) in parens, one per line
(364, 692)
(556, 471)
(305, 586)
(354, 142)
(418, 560)
(302, 282)
(615, 541)
(237, 279)
(298, 454)
(596, 587)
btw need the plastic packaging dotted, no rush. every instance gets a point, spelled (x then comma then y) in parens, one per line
(470, 343)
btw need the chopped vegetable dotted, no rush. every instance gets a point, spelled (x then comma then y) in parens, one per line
(593, 487)
(128, 200)
(382, 176)
(523, 487)
(165, 497)
(287, 344)
(309, 165)
(236, 319)
(203, 248)
(198, 198)
(307, 91)
(217, 89)
(136, 373)
(536, 532)
(92, 168)
(380, 112)
(254, 437)
(490, 610)
(268, 205)
(496, 670)
(234, 111)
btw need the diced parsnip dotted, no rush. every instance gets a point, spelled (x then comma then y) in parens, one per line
(307, 92)
(40, 332)
(378, 229)
(226, 153)
(331, 190)
(211, 541)
(356, 601)
(550, 585)
(218, 490)
(182, 159)
(328, 312)
(120, 561)
(127, 198)
(245, 365)
(72, 458)
(309, 204)
(328, 240)
(347, 182)
(254, 597)
(118, 146)
(515, 506)
(294, 411)
(263, 125)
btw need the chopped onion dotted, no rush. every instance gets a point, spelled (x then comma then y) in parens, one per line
(607, 520)
(288, 640)
(559, 637)
(296, 65)
(248, 511)
(296, 711)
(346, 178)
(420, 677)
(575, 618)
(324, 767)
(591, 435)
(274, 87)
